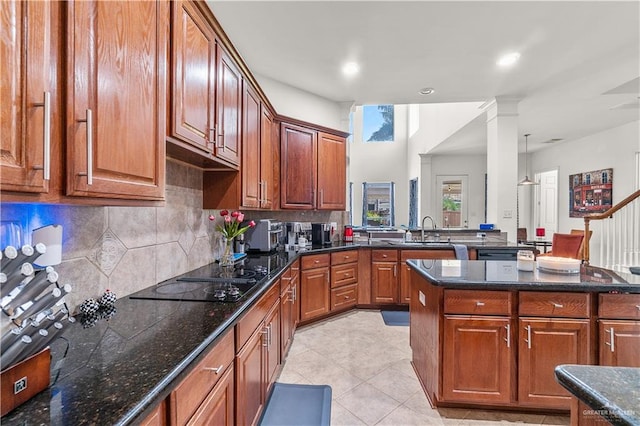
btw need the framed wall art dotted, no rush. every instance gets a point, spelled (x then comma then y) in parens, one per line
(590, 192)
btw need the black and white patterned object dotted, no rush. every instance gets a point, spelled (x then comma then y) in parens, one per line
(108, 299)
(89, 310)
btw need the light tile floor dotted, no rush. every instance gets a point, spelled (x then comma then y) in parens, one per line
(367, 365)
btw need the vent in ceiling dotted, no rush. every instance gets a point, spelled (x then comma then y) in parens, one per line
(553, 140)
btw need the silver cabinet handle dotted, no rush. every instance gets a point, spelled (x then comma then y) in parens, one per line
(260, 192)
(322, 197)
(395, 270)
(557, 305)
(508, 338)
(266, 191)
(638, 306)
(221, 139)
(265, 336)
(479, 303)
(295, 293)
(215, 370)
(612, 342)
(89, 121)
(46, 135)
(528, 339)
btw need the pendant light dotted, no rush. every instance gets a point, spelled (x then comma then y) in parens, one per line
(526, 180)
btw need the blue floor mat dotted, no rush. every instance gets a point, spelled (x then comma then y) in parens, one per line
(297, 405)
(395, 317)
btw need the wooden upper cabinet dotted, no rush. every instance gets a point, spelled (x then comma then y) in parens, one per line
(116, 108)
(268, 159)
(228, 104)
(251, 122)
(194, 77)
(312, 169)
(332, 164)
(298, 167)
(29, 119)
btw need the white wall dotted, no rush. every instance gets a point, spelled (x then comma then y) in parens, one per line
(380, 162)
(614, 148)
(296, 103)
(473, 166)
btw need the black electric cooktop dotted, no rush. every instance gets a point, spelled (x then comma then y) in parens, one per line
(210, 284)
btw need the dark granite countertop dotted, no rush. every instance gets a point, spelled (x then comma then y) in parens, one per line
(611, 392)
(503, 275)
(118, 371)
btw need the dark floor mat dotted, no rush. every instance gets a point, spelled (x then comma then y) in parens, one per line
(298, 405)
(395, 317)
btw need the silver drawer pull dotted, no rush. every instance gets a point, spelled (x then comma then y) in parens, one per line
(528, 339)
(46, 136)
(215, 370)
(612, 339)
(557, 305)
(479, 303)
(316, 261)
(89, 128)
(508, 338)
(638, 306)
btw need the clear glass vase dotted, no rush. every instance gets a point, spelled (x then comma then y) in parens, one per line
(227, 260)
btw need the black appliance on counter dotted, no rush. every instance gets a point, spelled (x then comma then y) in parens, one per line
(321, 234)
(210, 284)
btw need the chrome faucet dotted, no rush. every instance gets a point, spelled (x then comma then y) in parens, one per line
(433, 225)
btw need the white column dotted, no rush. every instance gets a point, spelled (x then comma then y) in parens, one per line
(426, 186)
(502, 164)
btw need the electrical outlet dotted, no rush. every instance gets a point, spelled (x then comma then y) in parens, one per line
(507, 214)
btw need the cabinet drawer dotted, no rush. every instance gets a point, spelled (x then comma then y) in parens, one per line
(344, 274)
(344, 297)
(252, 319)
(341, 257)
(474, 302)
(384, 255)
(189, 394)
(316, 261)
(551, 304)
(619, 306)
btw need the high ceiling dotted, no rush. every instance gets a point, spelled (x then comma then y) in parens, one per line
(578, 72)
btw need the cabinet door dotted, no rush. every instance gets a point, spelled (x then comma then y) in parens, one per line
(332, 172)
(272, 348)
(194, 72)
(217, 408)
(467, 377)
(545, 343)
(314, 293)
(295, 287)
(229, 101)
(29, 111)
(251, 121)
(286, 324)
(116, 98)
(250, 378)
(620, 343)
(298, 167)
(267, 160)
(384, 282)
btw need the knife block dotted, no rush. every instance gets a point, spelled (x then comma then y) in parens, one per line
(24, 380)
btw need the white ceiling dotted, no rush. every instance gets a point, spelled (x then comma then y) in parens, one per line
(580, 59)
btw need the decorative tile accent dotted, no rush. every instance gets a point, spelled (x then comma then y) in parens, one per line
(186, 240)
(107, 252)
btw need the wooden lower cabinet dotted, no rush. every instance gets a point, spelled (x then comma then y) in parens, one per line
(289, 307)
(256, 367)
(314, 287)
(157, 417)
(218, 407)
(384, 277)
(543, 344)
(478, 363)
(619, 343)
(202, 392)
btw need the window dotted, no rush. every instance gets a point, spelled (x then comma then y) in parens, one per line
(413, 203)
(377, 123)
(378, 204)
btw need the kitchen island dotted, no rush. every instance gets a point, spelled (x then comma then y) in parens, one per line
(484, 334)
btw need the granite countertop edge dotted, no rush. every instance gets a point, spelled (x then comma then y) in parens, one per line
(575, 378)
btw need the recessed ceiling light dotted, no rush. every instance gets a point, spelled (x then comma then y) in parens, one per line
(427, 91)
(350, 68)
(508, 59)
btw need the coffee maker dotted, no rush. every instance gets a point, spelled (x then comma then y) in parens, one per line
(321, 234)
(298, 235)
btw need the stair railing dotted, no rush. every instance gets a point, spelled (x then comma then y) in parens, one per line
(620, 237)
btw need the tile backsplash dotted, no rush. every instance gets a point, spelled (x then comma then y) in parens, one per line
(126, 249)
